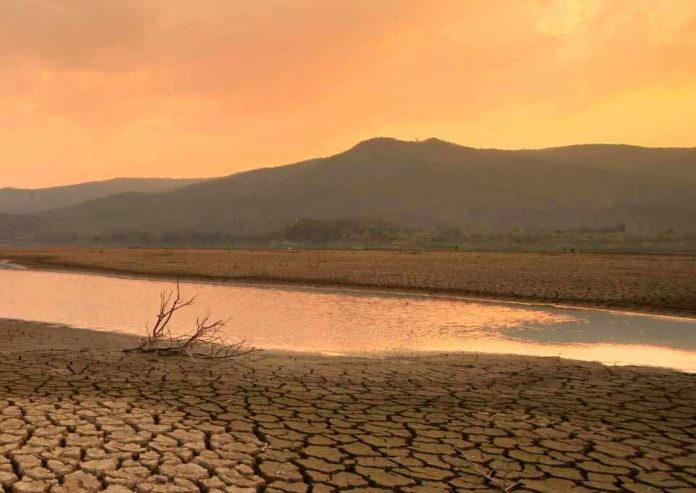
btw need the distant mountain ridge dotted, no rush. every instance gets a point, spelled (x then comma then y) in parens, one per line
(26, 201)
(429, 184)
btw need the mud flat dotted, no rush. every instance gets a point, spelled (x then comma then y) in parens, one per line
(647, 283)
(77, 414)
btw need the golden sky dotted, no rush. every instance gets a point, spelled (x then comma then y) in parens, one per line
(97, 89)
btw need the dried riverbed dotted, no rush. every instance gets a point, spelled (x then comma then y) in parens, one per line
(85, 417)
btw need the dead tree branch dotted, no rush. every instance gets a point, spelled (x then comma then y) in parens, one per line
(502, 485)
(204, 342)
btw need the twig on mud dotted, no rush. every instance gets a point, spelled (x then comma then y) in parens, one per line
(205, 342)
(490, 478)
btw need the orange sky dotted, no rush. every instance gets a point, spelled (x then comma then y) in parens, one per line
(96, 89)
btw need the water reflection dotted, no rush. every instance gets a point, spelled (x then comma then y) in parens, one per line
(601, 327)
(335, 321)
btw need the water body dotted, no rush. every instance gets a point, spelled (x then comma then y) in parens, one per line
(343, 321)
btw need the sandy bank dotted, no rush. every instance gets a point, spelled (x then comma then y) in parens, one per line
(664, 284)
(93, 418)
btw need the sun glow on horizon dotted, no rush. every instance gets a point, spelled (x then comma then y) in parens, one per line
(95, 90)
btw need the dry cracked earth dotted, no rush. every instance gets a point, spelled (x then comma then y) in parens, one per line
(104, 421)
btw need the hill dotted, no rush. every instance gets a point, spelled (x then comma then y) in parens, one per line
(25, 201)
(429, 185)
(20, 228)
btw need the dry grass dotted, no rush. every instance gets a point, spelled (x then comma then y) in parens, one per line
(654, 283)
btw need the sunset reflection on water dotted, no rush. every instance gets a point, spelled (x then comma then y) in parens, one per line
(349, 321)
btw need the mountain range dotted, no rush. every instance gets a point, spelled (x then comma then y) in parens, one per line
(27, 201)
(429, 185)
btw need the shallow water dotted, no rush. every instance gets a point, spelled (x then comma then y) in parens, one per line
(351, 321)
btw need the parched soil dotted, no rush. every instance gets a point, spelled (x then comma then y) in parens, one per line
(95, 419)
(648, 283)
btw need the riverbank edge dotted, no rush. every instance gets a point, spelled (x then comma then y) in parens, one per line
(51, 264)
(35, 337)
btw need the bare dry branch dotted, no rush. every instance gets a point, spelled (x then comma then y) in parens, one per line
(502, 485)
(204, 342)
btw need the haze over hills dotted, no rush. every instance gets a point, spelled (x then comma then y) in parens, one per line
(429, 185)
(24, 201)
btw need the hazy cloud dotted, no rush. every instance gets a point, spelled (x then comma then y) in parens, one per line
(148, 87)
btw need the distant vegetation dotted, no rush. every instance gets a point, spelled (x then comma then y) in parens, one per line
(395, 194)
(366, 234)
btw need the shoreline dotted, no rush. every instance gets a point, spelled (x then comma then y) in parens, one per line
(85, 335)
(59, 337)
(50, 264)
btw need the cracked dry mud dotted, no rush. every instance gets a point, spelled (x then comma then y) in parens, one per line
(94, 420)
